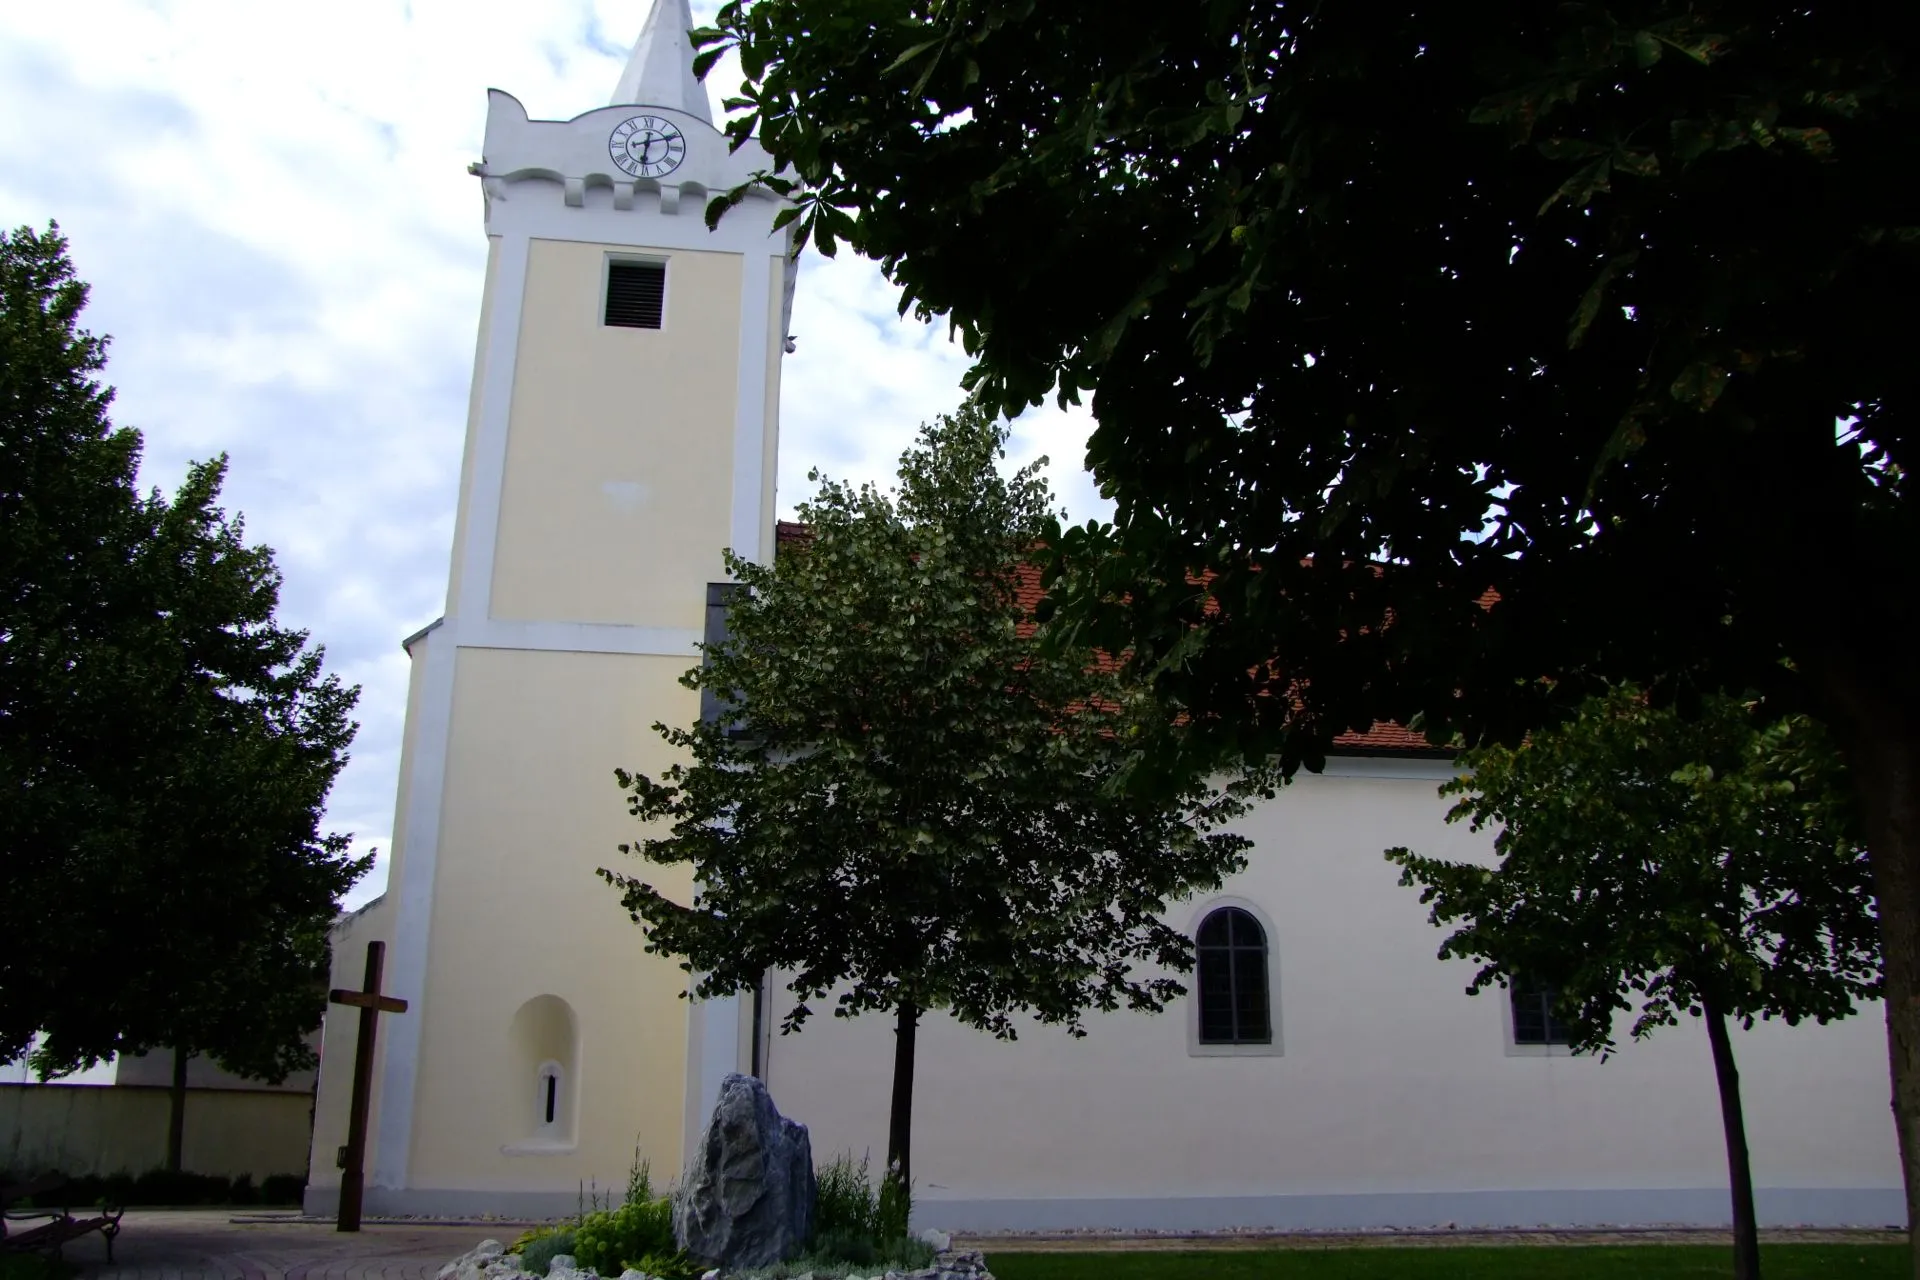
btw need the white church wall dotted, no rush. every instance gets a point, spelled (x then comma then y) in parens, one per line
(1394, 1099)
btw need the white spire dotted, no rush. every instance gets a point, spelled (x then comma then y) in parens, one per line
(660, 71)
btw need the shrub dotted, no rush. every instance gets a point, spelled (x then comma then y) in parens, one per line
(607, 1240)
(894, 1208)
(677, 1265)
(639, 1180)
(908, 1254)
(540, 1232)
(843, 1246)
(844, 1205)
(535, 1254)
(853, 1225)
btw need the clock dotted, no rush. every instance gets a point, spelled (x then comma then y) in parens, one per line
(647, 146)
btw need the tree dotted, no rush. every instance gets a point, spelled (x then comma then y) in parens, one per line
(165, 746)
(1445, 369)
(908, 801)
(1655, 864)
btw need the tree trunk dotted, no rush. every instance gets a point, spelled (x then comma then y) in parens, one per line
(1881, 741)
(1746, 1230)
(900, 1118)
(177, 1110)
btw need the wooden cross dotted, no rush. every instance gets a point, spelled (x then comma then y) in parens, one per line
(371, 1005)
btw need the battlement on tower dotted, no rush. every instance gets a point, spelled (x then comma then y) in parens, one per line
(604, 152)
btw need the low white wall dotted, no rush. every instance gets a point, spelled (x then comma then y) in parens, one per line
(1395, 1100)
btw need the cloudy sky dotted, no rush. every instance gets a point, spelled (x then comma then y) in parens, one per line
(272, 206)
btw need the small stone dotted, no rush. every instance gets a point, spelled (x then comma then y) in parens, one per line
(710, 1275)
(561, 1262)
(470, 1262)
(632, 1274)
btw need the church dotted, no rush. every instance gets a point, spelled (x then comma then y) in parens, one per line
(622, 429)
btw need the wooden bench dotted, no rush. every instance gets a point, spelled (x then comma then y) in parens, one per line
(51, 1228)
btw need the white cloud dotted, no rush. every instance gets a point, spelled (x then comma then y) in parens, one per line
(272, 206)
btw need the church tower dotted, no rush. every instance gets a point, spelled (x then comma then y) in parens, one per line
(621, 431)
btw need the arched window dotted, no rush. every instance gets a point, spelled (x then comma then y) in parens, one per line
(536, 1107)
(1233, 979)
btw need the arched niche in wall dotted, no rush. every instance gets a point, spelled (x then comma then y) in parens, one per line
(543, 1105)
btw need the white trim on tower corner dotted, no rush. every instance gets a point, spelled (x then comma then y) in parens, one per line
(750, 408)
(490, 436)
(413, 911)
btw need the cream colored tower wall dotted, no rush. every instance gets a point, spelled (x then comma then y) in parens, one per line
(608, 513)
(519, 913)
(1393, 1099)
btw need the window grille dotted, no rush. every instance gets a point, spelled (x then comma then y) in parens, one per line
(636, 294)
(1533, 1018)
(1234, 1008)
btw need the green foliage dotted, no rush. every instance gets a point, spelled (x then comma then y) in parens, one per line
(840, 1254)
(166, 747)
(1447, 366)
(856, 1226)
(676, 1265)
(639, 1179)
(894, 1208)
(910, 799)
(918, 809)
(848, 1248)
(1656, 864)
(541, 1232)
(543, 1247)
(638, 1234)
(844, 1205)
(1380, 311)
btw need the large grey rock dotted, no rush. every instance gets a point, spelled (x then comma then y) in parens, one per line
(747, 1198)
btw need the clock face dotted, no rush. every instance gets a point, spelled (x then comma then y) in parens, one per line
(647, 146)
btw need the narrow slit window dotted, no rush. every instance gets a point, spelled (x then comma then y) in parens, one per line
(547, 1102)
(636, 294)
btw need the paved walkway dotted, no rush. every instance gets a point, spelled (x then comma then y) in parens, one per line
(207, 1244)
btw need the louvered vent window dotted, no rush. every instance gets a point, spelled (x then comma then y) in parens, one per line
(635, 294)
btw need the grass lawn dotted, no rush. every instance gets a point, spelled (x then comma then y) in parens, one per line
(1566, 1262)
